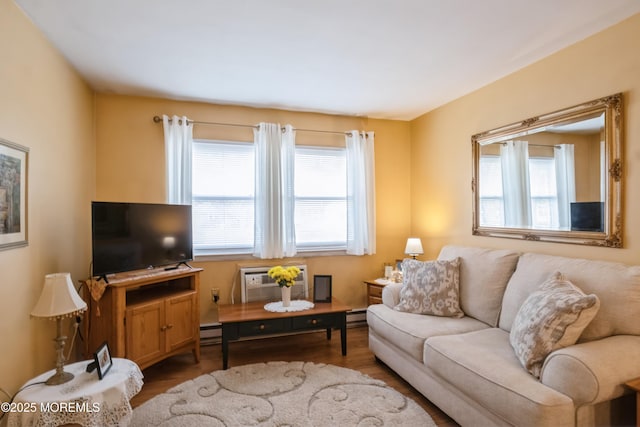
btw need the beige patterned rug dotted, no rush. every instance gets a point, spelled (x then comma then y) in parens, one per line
(282, 394)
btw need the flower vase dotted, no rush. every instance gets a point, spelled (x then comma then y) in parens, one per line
(286, 296)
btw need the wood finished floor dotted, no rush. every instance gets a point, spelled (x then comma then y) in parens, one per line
(311, 347)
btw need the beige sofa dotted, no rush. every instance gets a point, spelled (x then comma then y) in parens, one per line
(468, 368)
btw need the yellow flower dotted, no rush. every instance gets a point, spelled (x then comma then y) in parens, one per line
(284, 276)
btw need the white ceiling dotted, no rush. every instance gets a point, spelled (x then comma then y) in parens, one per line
(378, 58)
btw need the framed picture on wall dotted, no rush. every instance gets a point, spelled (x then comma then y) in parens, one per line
(321, 288)
(13, 194)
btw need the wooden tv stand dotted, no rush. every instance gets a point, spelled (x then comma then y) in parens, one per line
(145, 315)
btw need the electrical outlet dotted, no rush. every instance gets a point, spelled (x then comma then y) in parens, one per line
(215, 294)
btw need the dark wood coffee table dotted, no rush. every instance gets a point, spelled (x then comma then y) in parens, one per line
(252, 320)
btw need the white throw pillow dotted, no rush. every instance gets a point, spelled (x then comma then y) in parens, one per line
(431, 287)
(552, 317)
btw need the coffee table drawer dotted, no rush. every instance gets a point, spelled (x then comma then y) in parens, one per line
(260, 327)
(317, 321)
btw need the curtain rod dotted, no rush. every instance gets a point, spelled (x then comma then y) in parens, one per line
(158, 119)
(537, 145)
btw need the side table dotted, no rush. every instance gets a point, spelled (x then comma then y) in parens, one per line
(635, 385)
(84, 400)
(374, 290)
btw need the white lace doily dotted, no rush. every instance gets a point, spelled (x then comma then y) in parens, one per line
(296, 305)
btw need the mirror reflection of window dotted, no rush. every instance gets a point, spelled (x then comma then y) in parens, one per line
(544, 194)
(535, 194)
(490, 191)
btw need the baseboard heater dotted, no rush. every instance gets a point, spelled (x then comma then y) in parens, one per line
(211, 333)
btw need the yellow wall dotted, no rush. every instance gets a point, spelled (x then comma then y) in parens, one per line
(601, 65)
(45, 106)
(130, 167)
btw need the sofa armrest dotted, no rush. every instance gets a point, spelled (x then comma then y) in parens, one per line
(391, 294)
(593, 371)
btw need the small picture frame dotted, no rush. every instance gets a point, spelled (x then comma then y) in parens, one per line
(399, 264)
(321, 288)
(102, 359)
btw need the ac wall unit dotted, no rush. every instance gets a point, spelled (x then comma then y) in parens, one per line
(256, 285)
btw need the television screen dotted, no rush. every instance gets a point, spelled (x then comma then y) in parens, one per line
(133, 236)
(587, 216)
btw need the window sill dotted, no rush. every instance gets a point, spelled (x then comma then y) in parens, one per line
(204, 257)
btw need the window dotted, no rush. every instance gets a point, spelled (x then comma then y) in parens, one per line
(223, 198)
(542, 184)
(321, 198)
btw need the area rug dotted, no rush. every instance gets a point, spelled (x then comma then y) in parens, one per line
(282, 394)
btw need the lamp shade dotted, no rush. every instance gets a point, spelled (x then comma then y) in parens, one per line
(414, 246)
(58, 298)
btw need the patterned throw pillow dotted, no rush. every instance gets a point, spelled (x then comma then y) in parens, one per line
(551, 318)
(431, 287)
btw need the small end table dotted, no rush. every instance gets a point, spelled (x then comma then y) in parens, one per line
(374, 290)
(635, 385)
(84, 400)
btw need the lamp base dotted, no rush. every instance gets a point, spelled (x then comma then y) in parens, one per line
(59, 378)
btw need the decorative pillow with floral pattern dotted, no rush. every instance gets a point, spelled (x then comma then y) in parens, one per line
(431, 287)
(551, 318)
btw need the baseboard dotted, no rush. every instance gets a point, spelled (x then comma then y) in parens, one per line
(211, 333)
(356, 317)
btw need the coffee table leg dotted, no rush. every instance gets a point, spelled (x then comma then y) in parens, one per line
(225, 349)
(343, 334)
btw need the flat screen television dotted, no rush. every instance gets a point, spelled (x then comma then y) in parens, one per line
(587, 216)
(134, 236)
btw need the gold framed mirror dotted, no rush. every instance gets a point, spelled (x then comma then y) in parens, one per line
(555, 177)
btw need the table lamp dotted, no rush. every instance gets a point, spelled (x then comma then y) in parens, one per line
(58, 300)
(414, 247)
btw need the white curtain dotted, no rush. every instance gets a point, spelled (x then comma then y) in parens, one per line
(361, 202)
(178, 143)
(565, 183)
(603, 171)
(274, 230)
(514, 156)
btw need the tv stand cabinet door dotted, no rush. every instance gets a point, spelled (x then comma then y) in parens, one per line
(181, 321)
(146, 338)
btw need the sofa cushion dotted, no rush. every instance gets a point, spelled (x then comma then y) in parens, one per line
(430, 287)
(408, 331)
(616, 285)
(552, 317)
(483, 366)
(484, 274)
